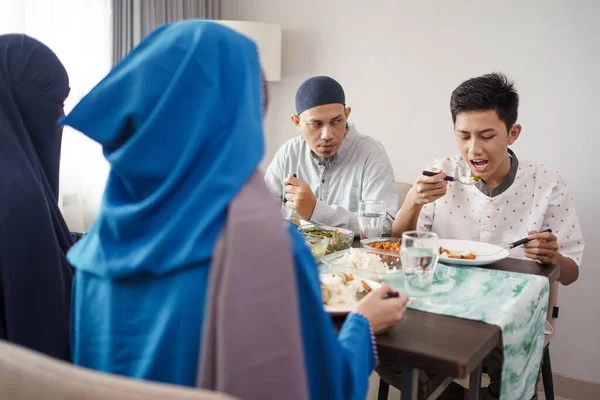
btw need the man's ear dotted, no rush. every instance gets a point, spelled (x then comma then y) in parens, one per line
(514, 133)
(296, 121)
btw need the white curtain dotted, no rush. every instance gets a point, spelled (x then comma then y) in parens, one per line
(133, 20)
(79, 32)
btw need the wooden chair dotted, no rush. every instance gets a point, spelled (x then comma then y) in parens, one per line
(402, 188)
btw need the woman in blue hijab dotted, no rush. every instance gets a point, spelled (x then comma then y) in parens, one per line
(158, 291)
(35, 278)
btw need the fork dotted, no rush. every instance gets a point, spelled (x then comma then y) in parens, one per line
(450, 178)
(514, 244)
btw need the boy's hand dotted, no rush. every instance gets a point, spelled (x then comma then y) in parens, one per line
(428, 189)
(542, 248)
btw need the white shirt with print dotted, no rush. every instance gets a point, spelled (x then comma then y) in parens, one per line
(538, 199)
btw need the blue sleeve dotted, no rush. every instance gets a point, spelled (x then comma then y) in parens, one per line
(337, 367)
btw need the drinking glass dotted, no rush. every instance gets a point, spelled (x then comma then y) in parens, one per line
(419, 253)
(371, 216)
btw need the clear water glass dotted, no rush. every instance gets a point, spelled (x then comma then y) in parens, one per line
(371, 217)
(419, 253)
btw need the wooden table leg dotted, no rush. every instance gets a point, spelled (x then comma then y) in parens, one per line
(384, 390)
(410, 383)
(475, 384)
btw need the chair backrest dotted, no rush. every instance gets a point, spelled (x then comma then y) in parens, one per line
(552, 303)
(402, 188)
(25, 375)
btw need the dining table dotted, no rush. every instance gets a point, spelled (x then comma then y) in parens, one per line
(446, 347)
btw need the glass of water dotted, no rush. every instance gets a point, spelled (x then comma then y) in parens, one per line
(419, 253)
(371, 216)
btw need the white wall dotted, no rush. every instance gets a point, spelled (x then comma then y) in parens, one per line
(399, 61)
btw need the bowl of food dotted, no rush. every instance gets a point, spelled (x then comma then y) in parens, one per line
(318, 245)
(389, 244)
(366, 263)
(339, 238)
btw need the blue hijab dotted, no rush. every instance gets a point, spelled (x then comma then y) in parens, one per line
(35, 278)
(180, 123)
(181, 128)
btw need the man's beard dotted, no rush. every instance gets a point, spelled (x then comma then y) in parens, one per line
(327, 158)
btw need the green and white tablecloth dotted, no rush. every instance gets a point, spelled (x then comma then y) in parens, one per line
(516, 302)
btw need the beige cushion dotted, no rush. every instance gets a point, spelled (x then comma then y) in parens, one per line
(25, 374)
(402, 188)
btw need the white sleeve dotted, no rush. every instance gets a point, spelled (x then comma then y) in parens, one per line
(561, 217)
(379, 183)
(335, 216)
(274, 175)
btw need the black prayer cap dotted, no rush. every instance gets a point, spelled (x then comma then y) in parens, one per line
(318, 91)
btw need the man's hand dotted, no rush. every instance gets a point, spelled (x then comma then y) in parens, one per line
(300, 197)
(543, 247)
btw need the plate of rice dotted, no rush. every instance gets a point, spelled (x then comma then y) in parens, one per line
(366, 263)
(342, 292)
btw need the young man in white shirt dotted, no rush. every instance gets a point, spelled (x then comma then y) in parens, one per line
(513, 200)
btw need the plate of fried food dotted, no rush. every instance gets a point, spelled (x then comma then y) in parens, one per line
(387, 244)
(467, 252)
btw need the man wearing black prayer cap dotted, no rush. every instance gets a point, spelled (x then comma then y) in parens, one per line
(326, 172)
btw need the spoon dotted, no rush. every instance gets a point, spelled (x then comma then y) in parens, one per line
(468, 181)
(514, 244)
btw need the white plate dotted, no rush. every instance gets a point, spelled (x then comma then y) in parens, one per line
(483, 251)
(343, 310)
